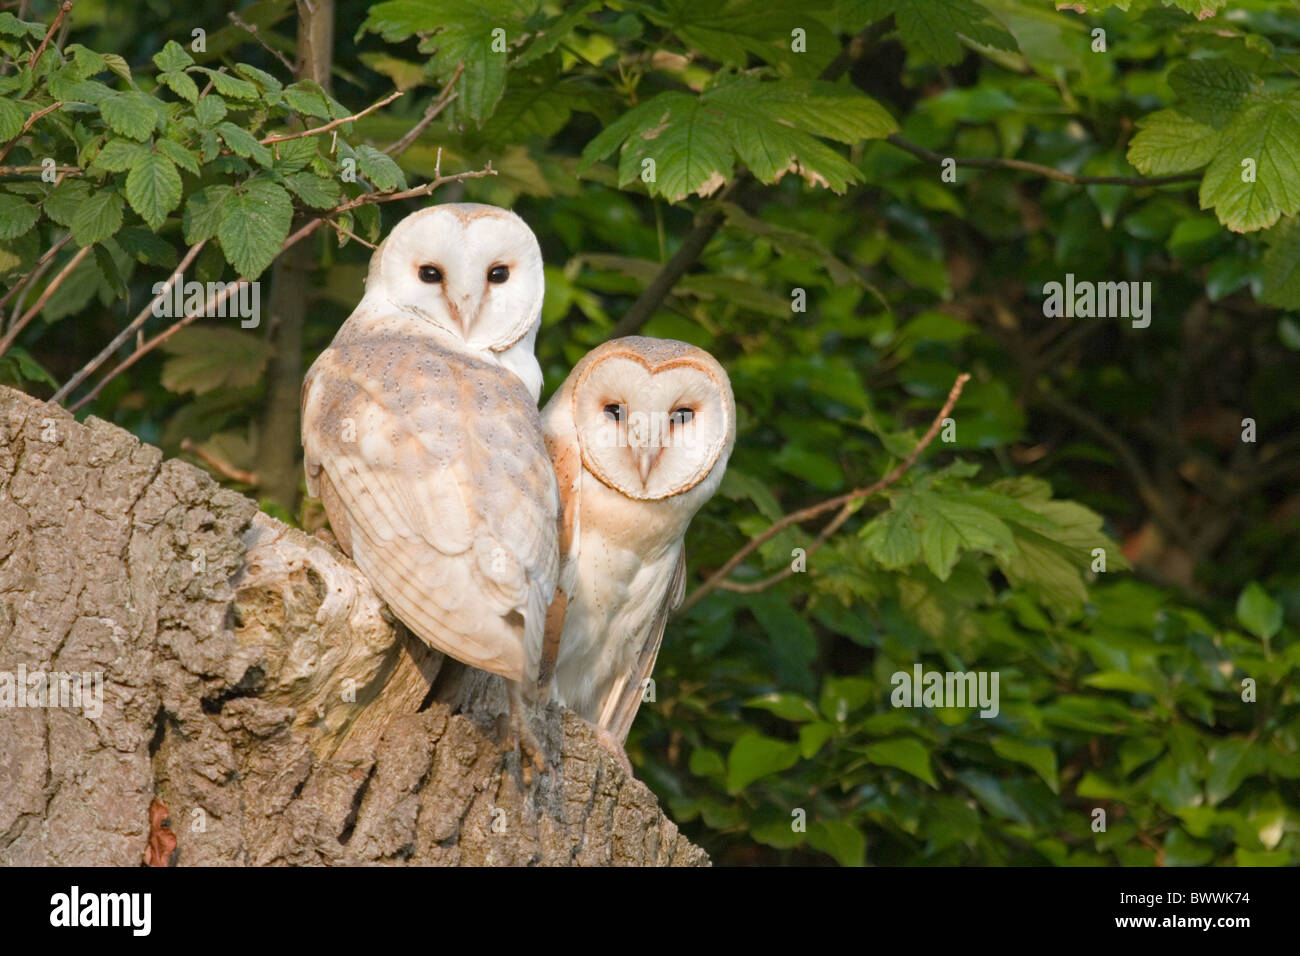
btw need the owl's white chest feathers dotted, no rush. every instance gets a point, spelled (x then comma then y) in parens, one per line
(624, 566)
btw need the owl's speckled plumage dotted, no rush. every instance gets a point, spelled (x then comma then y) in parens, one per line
(423, 441)
(629, 493)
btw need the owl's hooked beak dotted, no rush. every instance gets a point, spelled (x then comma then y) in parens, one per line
(645, 460)
(464, 313)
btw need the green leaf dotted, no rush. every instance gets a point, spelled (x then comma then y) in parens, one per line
(182, 85)
(119, 155)
(1041, 758)
(99, 217)
(754, 756)
(1212, 91)
(306, 98)
(951, 526)
(934, 28)
(228, 85)
(840, 839)
(314, 190)
(1266, 131)
(254, 225)
(153, 188)
(1169, 141)
(11, 119)
(892, 537)
(65, 199)
(204, 359)
(379, 168)
(178, 154)
(210, 110)
(1259, 613)
(145, 246)
(16, 216)
(905, 753)
(244, 143)
(172, 57)
(204, 211)
(459, 31)
(131, 114)
(1281, 280)
(786, 706)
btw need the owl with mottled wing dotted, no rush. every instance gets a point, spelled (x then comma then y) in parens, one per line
(423, 442)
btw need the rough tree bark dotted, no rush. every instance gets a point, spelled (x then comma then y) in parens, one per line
(256, 686)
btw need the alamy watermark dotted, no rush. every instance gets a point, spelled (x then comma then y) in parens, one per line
(1100, 300)
(64, 689)
(922, 688)
(241, 299)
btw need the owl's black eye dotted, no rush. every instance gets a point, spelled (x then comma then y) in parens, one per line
(498, 274)
(680, 416)
(616, 412)
(430, 274)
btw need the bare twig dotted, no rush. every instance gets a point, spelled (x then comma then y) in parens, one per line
(251, 30)
(333, 124)
(28, 124)
(843, 502)
(28, 170)
(38, 270)
(27, 316)
(1047, 172)
(54, 27)
(224, 468)
(126, 333)
(435, 108)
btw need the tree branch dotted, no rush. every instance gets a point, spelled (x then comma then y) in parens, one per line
(333, 124)
(27, 316)
(54, 27)
(1047, 172)
(435, 108)
(29, 123)
(843, 502)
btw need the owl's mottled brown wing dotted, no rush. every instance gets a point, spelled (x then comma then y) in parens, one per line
(436, 460)
(567, 461)
(619, 708)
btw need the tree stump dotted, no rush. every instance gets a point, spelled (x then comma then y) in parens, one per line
(255, 691)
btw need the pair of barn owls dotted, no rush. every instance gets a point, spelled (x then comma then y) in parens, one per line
(544, 549)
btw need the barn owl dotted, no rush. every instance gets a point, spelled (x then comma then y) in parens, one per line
(639, 433)
(422, 439)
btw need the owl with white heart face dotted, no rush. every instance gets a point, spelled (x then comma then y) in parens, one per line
(422, 438)
(640, 434)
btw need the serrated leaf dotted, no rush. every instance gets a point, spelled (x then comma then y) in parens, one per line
(1281, 280)
(205, 359)
(98, 217)
(65, 199)
(379, 168)
(11, 119)
(204, 211)
(228, 85)
(1170, 141)
(1266, 131)
(172, 57)
(153, 188)
(178, 154)
(269, 84)
(131, 114)
(244, 143)
(182, 85)
(314, 190)
(254, 226)
(210, 110)
(1211, 91)
(950, 526)
(306, 98)
(119, 155)
(145, 246)
(934, 28)
(892, 536)
(16, 216)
